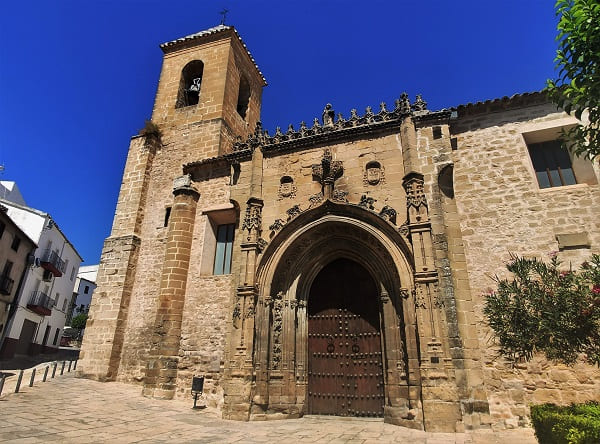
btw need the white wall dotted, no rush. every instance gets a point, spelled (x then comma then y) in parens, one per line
(36, 225)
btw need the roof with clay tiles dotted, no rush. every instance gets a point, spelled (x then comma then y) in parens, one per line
(502, 103)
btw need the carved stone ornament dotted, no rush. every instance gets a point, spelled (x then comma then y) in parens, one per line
(253, 217)
(287, 189)
(367, 202)
(236, 312)
(420, 300)
(420, 104)
(327, 172)
(277, 225)
(403, 229)
(277, 329)
(438, 300)
(373, 174)
(184, 181)
(293, 212)
(328, 115)
(388, 213)
(404, 104)
(251, 311)
(262, 244)
(404, 293)
(415, 194)
(315, 200)
(385, 297)
(331, 125)
(340, 196)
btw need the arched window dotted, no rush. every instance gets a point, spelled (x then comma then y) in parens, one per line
(243, 97)
(446, 181)
(189, 85)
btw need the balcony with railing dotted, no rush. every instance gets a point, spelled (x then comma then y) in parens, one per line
(40, 303)
(6, 285)
(52, 262)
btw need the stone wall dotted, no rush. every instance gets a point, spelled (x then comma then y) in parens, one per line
(502, 211)
(355, 154)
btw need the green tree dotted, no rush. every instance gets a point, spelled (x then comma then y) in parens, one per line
(546, 309)
(577, 61)
(79, 321)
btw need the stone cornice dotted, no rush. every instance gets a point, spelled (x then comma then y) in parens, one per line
(329, 130)
(333, 129)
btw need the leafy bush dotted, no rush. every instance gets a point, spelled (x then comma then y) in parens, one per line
(79, 321)
(546, 309)
(577, 424)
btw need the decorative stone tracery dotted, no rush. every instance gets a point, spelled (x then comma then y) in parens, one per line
(311, 240)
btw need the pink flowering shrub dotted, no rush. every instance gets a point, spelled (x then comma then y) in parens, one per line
(546, 309)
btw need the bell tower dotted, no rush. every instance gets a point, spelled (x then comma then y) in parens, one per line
(209, 92)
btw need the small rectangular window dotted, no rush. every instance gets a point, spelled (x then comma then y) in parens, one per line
(224, 249)
(86, 290)
(72, 272)
(15, 243)
(552, 164)
(7, 269)
(167, 216)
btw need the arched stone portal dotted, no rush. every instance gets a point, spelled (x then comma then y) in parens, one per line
(345, 366)
(290, 267)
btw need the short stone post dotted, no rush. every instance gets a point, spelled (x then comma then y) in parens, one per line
(62, 368)
(32, 378)
(45, 373)
(54, 368)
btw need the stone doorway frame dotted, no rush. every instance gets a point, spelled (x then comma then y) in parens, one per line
(285, 275)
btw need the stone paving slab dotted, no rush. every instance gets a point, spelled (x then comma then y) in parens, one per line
(71, 410)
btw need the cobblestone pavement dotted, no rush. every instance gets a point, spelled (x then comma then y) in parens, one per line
(67, 409)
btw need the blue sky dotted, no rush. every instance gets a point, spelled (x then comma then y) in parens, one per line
(78, 78)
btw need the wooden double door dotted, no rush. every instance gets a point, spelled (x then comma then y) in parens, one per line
(345, 371)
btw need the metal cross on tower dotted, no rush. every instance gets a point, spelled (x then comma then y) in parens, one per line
(224, 14)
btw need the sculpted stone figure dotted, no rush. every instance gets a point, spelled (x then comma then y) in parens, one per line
(328, 115)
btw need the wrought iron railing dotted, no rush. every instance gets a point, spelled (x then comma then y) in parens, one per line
(52, 257)
(41, 299)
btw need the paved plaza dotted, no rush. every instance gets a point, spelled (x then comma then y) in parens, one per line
(71, 410)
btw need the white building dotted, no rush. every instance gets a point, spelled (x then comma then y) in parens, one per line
(38, 314)
(85, 284)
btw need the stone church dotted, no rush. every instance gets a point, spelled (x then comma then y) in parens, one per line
(337, 267)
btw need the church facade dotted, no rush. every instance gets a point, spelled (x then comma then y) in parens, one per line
(337, 268)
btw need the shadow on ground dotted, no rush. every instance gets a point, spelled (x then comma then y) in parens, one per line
(23, 362)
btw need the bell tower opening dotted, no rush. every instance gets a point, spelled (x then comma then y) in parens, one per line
(345, 365)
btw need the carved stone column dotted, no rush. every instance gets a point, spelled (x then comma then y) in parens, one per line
(260, 399)
(436, 369)
(161, 369)
(238, 390)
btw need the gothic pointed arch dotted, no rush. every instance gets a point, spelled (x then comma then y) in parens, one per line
(297, 254)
